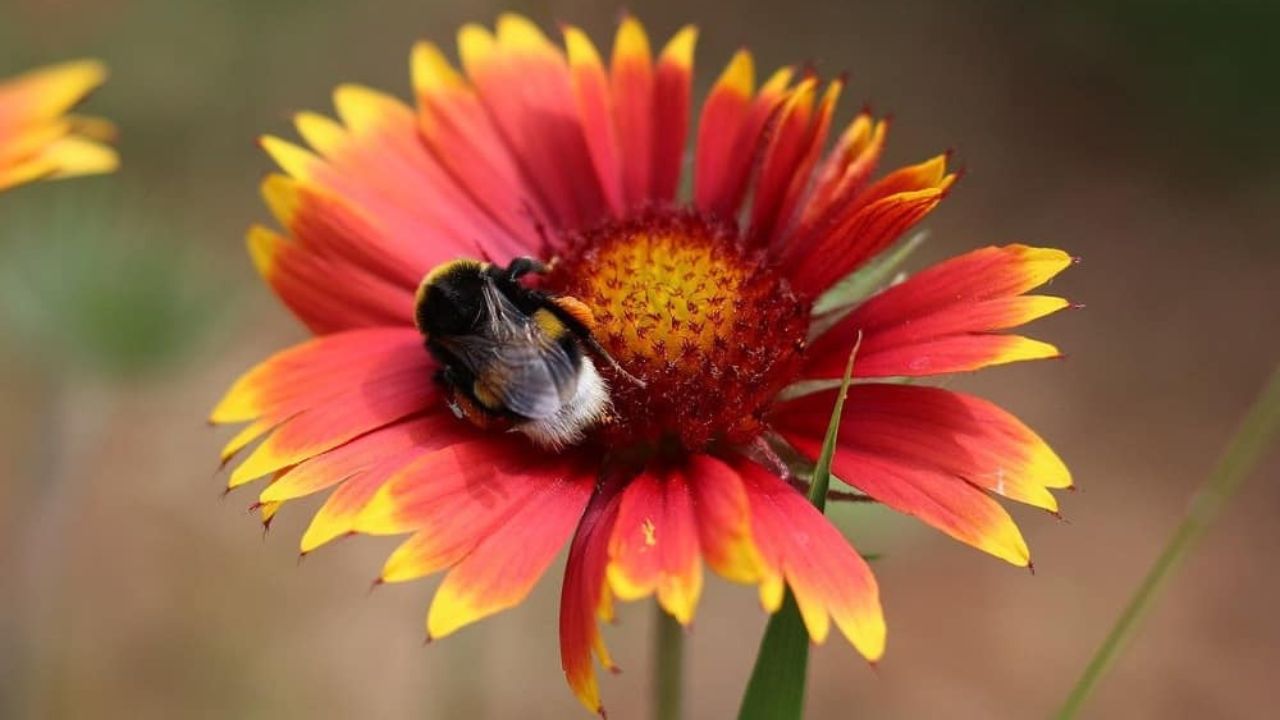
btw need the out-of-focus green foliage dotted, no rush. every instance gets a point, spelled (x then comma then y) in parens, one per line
(88, 285)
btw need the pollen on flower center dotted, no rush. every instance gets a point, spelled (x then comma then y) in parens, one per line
(681, 303)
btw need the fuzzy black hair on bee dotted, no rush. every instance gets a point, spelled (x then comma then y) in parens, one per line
(511, 355)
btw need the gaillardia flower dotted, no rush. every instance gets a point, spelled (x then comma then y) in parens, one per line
(707, 300)
(38, 140)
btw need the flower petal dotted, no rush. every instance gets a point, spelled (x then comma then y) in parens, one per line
(524, 83)
(724, 112)
(944, 319)
(486, 474)
(584, 595)
(844, 172)
(65, 157)
(829, 579)
(456, 127)
(723, 519)
(631, 83)
(43, 94)
(956, 435)
(36, 141)
(672, 84)
(338, 516)
(930, 452)
(865, 224)
(320, 394)
(394, 442)
(655, 547)
(507, 562)
(377, 163)
(327, 294)
(729, 133)
(798, 136)
(595, 111)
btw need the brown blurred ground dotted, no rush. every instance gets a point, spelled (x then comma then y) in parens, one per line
(153, 598)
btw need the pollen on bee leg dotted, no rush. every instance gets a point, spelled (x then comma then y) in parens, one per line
(577, 310)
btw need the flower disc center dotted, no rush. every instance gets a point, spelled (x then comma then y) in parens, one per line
(682, 304)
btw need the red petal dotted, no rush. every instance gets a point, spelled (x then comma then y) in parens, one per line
(924, 452)
(455, 125)
(631, 79)
(654, 547)
(595, 112)
(341, 510)
(955, 435)
(797, 138)
(584, 594)
(510, 557)
(723, 114)
(724, 519)
(829, 579)
(844, 172)
(672, 84)
(328, 295)
(487, 475)
(363, 466)
(944, 319)
(381, 158)
(523, 81)
(415, 435)
(322, 393)
(379, 167)
(729, 134)
(862, 226)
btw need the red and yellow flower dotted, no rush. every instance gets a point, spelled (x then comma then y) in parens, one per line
(534, 150)
(38, 140)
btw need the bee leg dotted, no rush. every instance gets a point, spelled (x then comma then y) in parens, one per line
(521, 266)
(599, 351)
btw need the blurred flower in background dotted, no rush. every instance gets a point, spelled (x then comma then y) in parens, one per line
(38, 140)
(531, 151)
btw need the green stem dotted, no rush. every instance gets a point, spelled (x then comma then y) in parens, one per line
(1244, 452)
(668, 666)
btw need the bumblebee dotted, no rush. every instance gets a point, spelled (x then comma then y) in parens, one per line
(512, 356)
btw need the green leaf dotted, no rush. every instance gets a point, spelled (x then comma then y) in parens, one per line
(776, 688)
(860, 283)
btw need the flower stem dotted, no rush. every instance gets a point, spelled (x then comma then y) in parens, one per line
(1246, 449)
(668, 667)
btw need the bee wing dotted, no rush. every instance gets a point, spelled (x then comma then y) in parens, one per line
(531, 374)
(530, 378)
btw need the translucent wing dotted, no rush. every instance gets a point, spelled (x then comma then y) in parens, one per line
(531, 374)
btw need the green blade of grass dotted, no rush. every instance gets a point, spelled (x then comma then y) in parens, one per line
(776, 688)
(1245, 451)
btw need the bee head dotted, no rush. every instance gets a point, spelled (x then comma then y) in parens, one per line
(450, 298)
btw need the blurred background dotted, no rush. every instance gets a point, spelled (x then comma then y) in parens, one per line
(1138, 135)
